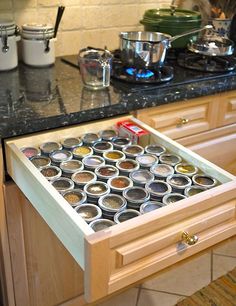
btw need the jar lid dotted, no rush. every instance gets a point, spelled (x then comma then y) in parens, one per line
(7, 27)
(37, 31)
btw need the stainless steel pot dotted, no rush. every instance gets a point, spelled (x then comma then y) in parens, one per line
(148, 49)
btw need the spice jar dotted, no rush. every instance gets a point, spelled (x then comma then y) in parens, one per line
(89, 212)
(29, 152)
(63, 184)
(147, 160)
(82, 151)
(120, 142)
(161, 171)
(106, 172)
(132, 151)
(81, 178)
(71, 166)
(192, 190)
(113, 156)
(186, 169)
(125, 215)
(141, 177)
(158, 189)
(95, 190)
(178, 182)
(90, 138)
(40, 161)
(136, 196)
(126, 166)
(150, 206)
(108, 135)
(75, 197)
(172, 198)
(155, 149)
(119, 183)
(102, 146)
(101, 224)
(170, 159)
(49, 147)
(205, 181)
(71, 143)
(51, 172)
(93, 161)
(111, 204)
(59, 156)
(38, 44)
(8, 45)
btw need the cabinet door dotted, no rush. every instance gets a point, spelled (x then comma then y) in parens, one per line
(227, 108)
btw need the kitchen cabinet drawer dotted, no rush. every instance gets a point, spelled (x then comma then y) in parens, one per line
(227, 113)
(182, 119)
(128, 252)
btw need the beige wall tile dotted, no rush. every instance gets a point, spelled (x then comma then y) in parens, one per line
(46, 15)
(25, 16)
(71, 2)
(110, 15)
(70, 43)
(23, 4)
(152, 298)
(9, 15)
(129, 15)
(91, 38)
(91, 19)
(91, 2)
(71, 19)
(222, 265)
(5, 4)
(49, 2)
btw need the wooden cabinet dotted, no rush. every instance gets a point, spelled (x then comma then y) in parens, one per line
(83, 266)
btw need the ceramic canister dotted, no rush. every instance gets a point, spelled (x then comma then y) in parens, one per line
(8, 45)
(38, 44)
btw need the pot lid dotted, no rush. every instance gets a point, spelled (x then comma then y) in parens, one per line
(166, 14)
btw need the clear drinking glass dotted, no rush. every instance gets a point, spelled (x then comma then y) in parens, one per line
(95, 67)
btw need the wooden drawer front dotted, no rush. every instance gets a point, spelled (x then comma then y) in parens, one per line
(179, 120)
(228, 109)
(125, 253)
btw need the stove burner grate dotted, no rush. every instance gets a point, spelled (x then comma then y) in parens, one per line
(206, 63)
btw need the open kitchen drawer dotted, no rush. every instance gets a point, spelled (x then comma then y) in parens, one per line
(128, 252)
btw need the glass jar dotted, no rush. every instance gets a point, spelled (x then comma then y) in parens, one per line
(89, 212)
(178, 182)
(125, 215)
(111, 204)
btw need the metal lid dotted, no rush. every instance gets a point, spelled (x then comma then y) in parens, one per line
(37, 31)
(101, 224)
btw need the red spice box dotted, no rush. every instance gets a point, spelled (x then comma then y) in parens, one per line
(128, 128)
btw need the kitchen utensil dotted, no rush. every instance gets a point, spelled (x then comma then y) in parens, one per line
(172, 21)
(148, 49)
(95, 67)
(60, 12)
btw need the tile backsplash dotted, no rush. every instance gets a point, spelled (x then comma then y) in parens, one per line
(85, 22)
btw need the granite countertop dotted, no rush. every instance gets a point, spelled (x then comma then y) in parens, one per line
(37, 99)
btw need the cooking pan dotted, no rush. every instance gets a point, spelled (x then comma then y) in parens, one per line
(212, 46)
(148, 49)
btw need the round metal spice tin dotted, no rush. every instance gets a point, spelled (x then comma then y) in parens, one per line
(49, 147)
(108, 135)
(82, 151)
(125, 215)
(71, 166)
(120, 142)
(178, 182)
(95, 190)
(172, 198)
(93, 161)
(111, 204)
(63, 184)
(155, 149)
(101, 224)
(113, 156)
(133, 151)
(170, 159)
(186, 169)
(192, 190)
(136, 196)
(147, 160)
(150, 206)
(83, 177)
(126, 166)
(89, 212)
(141, 177)
(90, 138)
(59, 156)
(205, 181)
(29, 152)
(40, 161)
(158, 189)
(119, 183)
(102, 146)
(106, 172)
(161, 171)
(71, 143)
(75, 197)
(51, 172)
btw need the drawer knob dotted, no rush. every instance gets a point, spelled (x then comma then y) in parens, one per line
(188, 239)
(182, 121)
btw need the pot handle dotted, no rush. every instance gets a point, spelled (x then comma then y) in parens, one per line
(209, 26)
